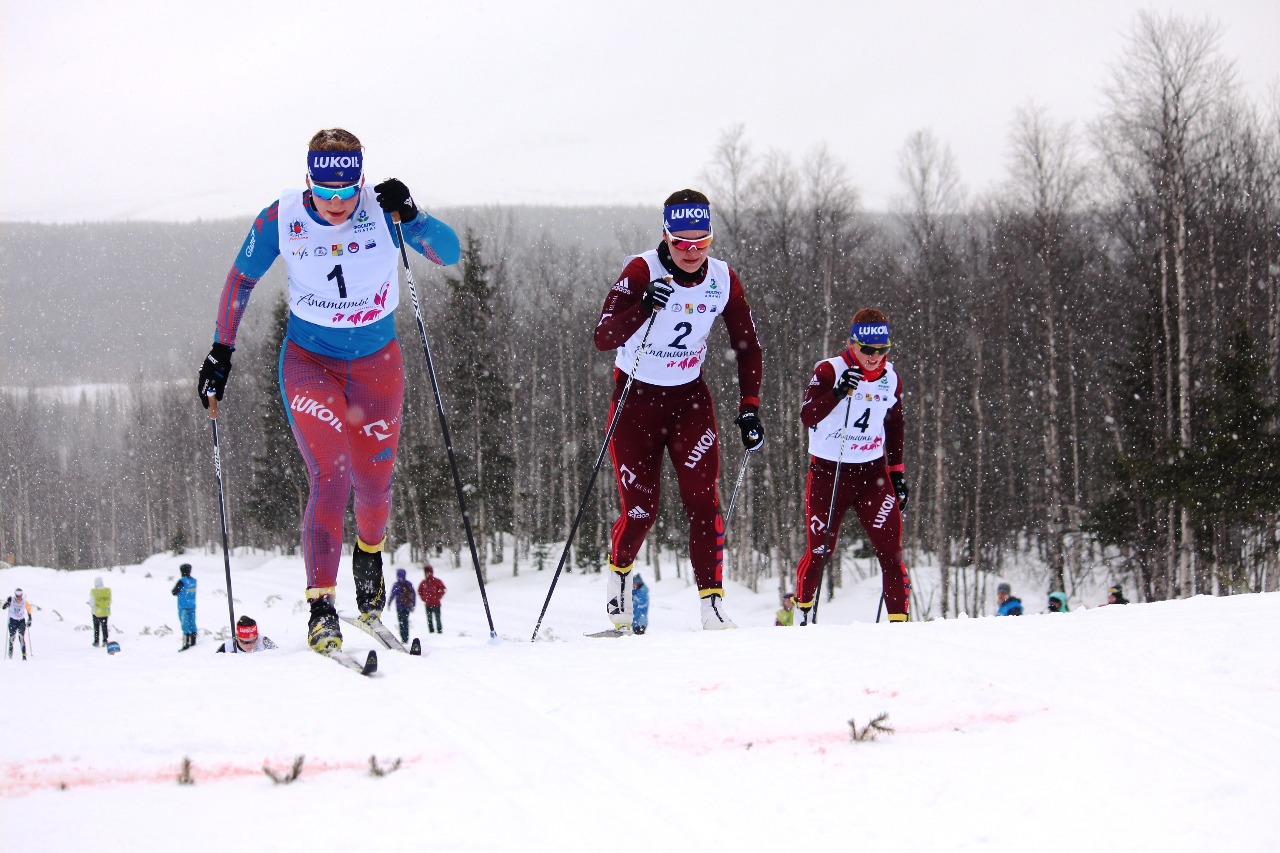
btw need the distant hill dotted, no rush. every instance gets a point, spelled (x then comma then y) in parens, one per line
(107, 302)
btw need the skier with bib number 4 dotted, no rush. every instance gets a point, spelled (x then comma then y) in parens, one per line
(341, 372)
(853, 410)
(673, 294)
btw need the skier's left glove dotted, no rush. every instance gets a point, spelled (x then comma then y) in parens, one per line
(393, 197)
(214, 373)
(900, 489)
(752, 430)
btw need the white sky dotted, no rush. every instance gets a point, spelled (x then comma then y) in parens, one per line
(139, 109)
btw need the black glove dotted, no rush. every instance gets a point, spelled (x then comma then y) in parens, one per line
(900, 489)
(848, 381)
(752, 430)
(214, 373)
(394, 197)
(656, 295)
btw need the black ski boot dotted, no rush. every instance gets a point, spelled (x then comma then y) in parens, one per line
(323, 633)
(371, 587)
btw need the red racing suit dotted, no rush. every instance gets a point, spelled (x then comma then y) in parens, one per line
(674, 419)
(864, 485)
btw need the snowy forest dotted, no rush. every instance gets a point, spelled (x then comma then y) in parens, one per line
(1090, 357)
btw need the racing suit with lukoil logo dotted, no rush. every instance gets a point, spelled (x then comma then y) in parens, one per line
(669, 409)
(872, 447)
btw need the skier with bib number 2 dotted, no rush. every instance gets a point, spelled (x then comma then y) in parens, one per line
(669, 411)
(859, 388)
(341, 372)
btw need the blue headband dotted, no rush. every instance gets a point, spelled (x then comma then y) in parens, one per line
(686, 217)
(871, 334)
(330, 167)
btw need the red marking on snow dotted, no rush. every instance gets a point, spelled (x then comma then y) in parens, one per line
(962, 723)
(34, 775)
(711, 688)
(817, 741)
(871, 691)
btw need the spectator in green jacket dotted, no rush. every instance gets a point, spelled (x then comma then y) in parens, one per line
(100, 601)
(787, 615)
(1058, 602)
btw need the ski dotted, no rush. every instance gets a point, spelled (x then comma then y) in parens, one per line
(369, 667)
(415, 648)
(612, 632)
(379, 632)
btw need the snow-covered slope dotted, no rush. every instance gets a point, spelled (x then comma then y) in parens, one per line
(1148, 727)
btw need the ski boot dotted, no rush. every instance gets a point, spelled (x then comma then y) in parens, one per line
(713, 616)
(805, 611)
(618, 598)
(323, 633)
(371, 586)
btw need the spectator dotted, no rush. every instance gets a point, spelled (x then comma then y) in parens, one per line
(247, 639)
(639, 605)
(100, 601)
(431, 591)
(1009, 606)
(185, 590)
(1058, 602)
(1115, 595)
(405, 601)
(786, 617)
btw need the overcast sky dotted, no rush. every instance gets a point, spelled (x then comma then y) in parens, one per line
(170, 110)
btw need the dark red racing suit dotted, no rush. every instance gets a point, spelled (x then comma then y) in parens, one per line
(678, 420)
(864, 485)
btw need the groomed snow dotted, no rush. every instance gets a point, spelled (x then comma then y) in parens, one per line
(1147, 727)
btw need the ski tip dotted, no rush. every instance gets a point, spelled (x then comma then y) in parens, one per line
(416, 647)
(370, 663)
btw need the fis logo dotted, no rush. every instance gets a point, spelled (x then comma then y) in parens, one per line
(301, 252)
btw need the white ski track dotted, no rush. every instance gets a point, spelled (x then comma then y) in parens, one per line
(379, 631)
(369, 667)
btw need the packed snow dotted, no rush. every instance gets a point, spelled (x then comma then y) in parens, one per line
(1144, 727)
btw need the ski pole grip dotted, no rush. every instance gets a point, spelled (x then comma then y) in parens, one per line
(213, 407)
(395, 217)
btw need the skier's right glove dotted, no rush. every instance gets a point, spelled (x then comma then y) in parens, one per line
(752, 430)
(214, 373)
(848, 381)
(656, 295)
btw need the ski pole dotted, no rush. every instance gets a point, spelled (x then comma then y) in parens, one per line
(595, 469)
(222, 513)
(742, 472)
(444, 425)
(831, 510)
(879, 607)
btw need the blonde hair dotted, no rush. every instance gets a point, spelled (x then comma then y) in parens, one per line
(334, 139)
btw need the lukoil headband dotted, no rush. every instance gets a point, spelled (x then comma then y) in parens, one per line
(686, 217)
(335, 166)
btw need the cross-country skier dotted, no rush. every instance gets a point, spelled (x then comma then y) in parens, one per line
(19, 610)
(859, 383)
(342, 377)
(185, 590)
(669, 409)
(247, 639)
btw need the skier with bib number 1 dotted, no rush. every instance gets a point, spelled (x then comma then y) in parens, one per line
(662, 308)
(341, 371)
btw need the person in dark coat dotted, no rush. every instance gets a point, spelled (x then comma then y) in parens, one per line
(405, 601)
(1115, 595)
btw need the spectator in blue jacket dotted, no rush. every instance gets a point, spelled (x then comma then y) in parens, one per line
(402, 595)
(185, 590)
(639, 605)
(1009, 606)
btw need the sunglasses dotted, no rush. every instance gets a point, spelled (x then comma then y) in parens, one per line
(686, 245)
(342, 193)
(873, 351)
